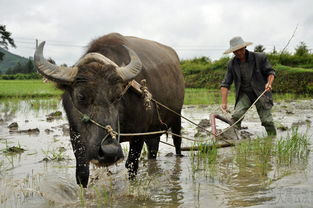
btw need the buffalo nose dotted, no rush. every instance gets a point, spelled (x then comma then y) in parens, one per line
(110, 151)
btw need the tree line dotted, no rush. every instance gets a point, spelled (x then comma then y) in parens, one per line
(302, 57)
(5, 40)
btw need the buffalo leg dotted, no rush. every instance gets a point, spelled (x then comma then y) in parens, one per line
(153, 146)
(176, 129)
(82, 164)
(82, 173)
(135, 147)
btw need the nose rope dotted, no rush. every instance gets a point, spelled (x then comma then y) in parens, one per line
(118, 129)
(110, 131)
(85, 118)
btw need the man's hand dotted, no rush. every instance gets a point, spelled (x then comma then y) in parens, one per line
(268, 87)
(224, 108)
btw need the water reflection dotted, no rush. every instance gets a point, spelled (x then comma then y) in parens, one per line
(250, 180)
(158, 184)
(169, 190)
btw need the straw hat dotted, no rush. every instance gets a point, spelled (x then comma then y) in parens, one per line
(236, 43)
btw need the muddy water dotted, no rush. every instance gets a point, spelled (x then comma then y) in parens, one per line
(44, 174)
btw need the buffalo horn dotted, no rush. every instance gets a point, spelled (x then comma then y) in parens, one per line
(50, 71)
(126, 72)
(97, 57)
(132, 69)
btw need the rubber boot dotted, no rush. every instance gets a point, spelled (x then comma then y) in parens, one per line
(271, 130)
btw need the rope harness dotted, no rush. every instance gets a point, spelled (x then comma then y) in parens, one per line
(143, 91)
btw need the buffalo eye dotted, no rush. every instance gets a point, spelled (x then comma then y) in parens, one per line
(81, 98)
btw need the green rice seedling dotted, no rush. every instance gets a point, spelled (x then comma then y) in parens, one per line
(96, 195)
(9, 106)
(293, 148)
(7, 163)
(204, 158)
(24, 190)
(57, 154)
(102, 197)
(40, 103)
(12, 105)
(262, 153)
(243, 152)
(82, 196)
(2, 166)
(13, 150)
(11, 161)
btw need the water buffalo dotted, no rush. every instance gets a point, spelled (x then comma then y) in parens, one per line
(96, 88)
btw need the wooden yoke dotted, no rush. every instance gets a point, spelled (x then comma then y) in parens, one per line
(142, 90)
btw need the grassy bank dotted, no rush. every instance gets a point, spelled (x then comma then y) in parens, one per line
(27, 89)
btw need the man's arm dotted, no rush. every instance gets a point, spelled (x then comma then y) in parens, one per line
(270, 80)
(224, 92)
(228, 80)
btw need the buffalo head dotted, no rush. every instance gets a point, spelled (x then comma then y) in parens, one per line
(92, 88)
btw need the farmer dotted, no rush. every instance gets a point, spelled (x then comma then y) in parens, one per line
(252, 74)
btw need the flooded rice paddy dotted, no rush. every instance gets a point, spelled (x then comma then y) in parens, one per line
(37, 166)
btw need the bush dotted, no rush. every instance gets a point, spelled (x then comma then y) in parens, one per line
(294, 80)
(287, 59)
(21, 76)
(289, 79)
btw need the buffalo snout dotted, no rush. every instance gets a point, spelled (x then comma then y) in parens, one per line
(110, 151)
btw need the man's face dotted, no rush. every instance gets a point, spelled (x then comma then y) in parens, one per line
(240, 53)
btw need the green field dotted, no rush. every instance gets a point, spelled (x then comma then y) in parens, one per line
(27, 88)
(36, 88)
(202, 96)
(193, 96)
